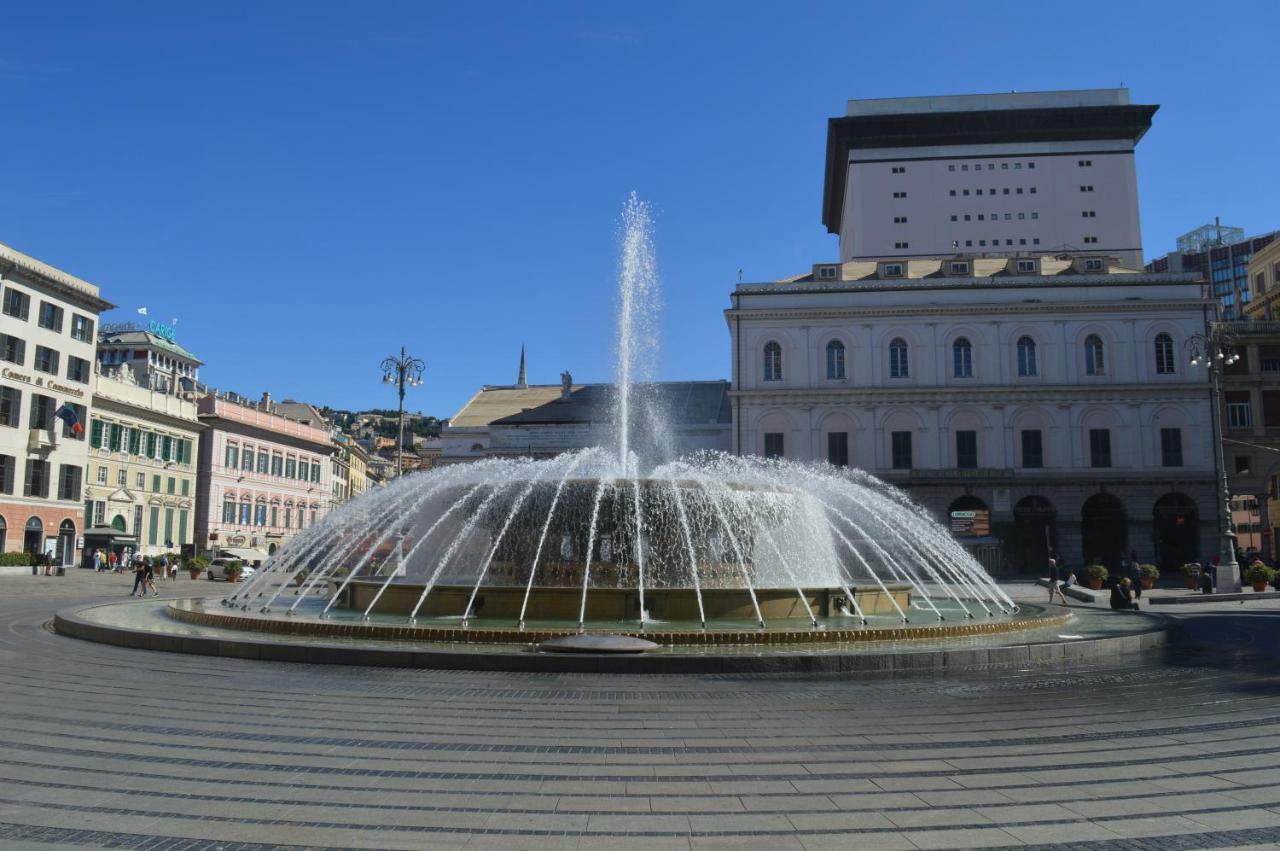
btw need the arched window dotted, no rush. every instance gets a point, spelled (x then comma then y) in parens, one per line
(898, 365)
(1164, 354)
(962, 358)
(1027, 357)
(772, 361)
(835, 360)
(1094, 359)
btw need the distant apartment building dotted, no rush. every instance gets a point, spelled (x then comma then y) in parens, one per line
(263, 477)
(151, 352)
(48, 327)
(997, 174)
(1221, 255)
(140, 493)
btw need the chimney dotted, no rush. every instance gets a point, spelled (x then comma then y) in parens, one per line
(266, 402)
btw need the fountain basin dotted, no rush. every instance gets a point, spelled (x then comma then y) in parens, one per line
(622, 604)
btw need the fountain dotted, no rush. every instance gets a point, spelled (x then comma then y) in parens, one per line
(629, 539)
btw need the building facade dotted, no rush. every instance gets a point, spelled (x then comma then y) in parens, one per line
(357, 467)
(1031, 172)
(151, 352)
(1051, 396)
(1221, 255)
(262, 477)
(48, 322)
(140, 492)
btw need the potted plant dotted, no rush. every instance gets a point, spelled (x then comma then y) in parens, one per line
(196, 566)
(301, 577)
(1147, 575)
(1097, 575)
(233, 569)
(1259, 575)
(1191, 573)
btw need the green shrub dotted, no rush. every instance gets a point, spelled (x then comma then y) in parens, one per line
(1191, 568)
(234, 569)
(1096, 571)
(1259, 572)
(1148, 571)
(19, 559)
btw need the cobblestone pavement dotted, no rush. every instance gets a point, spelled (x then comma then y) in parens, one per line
(107, 747)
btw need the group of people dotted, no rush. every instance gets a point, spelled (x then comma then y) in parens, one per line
(1126, 589)
(144, 569)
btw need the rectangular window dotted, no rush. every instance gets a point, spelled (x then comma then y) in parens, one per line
(246, 459)
(13, 349)
(899, 195)
(46, 360)
(16, 303)
(228, 511)
(166, 448)
(1241, 464)
(168, 528)
(50, 317)
(115, 437)
(8, 466)
(137, 521)
(264, 461)
(81, 328)
(69, 483)
(37, 481)
(901, 442)
(42, 408)
(135, 441)
(773, 447)
(301, 517)
(182, 527)
(246, 516)
(838, 448)
(151, 445)
(102, 475)
(315, 472)
(1170, 447)
(275, 516)
(291, 468)
(1032, 449)
(1099, 447)
(967, 450)
(260, 514)
(277, 466)
(155, 483)
(122, 477)
(233, 457)
(170, 484)
(140, 482)
(10, 406)
(900, 245)
(1239, 412)
(288, 518)
(186, 487)
(99, 513)
(153, 533)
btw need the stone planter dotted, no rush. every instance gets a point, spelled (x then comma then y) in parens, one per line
(1189, 581)
(194, 573)
(1260, 586)
(1095, 584)
(1147, 583)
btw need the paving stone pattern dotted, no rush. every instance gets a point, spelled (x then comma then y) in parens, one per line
(104, 747)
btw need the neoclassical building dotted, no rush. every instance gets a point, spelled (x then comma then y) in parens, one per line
(1029, 401)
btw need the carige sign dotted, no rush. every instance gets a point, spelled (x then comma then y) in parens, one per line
(167, 332)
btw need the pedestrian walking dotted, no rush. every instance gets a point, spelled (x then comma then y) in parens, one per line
(97, 561)
(1054, 587)
(149, 575)
(48, 564)
(139, 579)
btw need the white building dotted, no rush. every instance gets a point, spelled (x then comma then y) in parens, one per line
(48, 324)
(1051, 396)
(1029, 172)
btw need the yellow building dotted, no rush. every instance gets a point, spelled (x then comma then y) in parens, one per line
(140, 478)
(358, 468)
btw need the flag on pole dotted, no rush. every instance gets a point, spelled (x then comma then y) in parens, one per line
(68, 415)
(142, 311)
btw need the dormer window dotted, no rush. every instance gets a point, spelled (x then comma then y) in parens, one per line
(892, 270)
(1093, 265)
(959, 268)
(826, 273)
(1027, 266)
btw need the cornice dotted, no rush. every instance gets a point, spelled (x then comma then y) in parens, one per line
(1041, 394)
(129, 409)
(1020, 308)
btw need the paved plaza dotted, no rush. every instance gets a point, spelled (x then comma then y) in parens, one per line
(107, 747)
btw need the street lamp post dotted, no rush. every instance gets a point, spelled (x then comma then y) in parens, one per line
(1216, 350)
(402, 371)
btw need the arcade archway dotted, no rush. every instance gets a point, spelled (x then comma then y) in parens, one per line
(1034, 534)
(1176, 530)
(1104, 530)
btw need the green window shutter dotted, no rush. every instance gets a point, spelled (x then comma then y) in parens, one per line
(95, 433)
(151, 445)
(155, 525)
(182, 527)
(186, 487)
(155, 484)
(169, 485)
(168, 526)
(115, 434)
(166, 448)
(135, 442)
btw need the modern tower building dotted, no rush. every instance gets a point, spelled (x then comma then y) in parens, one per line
(1221, 255)
(999, 174)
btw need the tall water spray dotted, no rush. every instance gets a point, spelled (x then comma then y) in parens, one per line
(638, 307)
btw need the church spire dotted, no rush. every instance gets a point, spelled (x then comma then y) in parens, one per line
(522, 380)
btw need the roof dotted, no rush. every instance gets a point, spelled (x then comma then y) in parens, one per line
(684, 402)
(68, 284)
(303, 412)
(494, 403)
(134, 339)
(969, 127)
(1050, 266)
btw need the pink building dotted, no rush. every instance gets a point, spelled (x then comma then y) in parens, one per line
(262, 477)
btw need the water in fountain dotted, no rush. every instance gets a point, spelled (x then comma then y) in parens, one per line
(610, 538)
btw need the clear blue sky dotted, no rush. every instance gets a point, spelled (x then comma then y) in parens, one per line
(308, 185)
